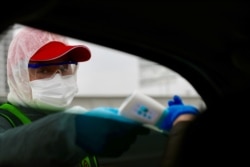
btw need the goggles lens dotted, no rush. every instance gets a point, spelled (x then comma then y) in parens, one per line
(42, 70)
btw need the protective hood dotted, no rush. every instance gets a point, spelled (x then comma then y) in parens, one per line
(23, 46)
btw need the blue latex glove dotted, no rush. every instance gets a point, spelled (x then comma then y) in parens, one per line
(103, 132)
(176, 107)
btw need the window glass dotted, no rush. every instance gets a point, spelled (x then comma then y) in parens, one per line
(108, 78)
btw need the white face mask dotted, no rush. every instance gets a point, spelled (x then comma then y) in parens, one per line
(54, 93)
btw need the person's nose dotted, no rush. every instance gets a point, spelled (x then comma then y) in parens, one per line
(58, 71)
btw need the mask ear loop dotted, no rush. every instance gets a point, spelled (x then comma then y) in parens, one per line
(76, 69)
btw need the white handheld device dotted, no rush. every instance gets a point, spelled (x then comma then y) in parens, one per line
(142, 108)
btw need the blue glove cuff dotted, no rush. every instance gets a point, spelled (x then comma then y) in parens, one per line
(171, 113)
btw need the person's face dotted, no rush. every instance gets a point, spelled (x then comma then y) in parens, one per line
(48, 69)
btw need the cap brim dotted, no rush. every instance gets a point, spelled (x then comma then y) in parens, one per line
(55, 50)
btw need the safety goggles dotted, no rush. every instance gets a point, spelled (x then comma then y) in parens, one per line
(49, 70)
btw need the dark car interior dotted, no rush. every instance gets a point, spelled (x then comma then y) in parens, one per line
(206, 42)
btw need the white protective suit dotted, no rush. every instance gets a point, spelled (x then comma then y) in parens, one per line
(21, 49)
(50, 139)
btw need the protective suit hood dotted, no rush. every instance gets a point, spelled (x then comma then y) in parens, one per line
(25, 44)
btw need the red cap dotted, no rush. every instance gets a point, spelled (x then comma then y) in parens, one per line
(55, 49)
(38, 45)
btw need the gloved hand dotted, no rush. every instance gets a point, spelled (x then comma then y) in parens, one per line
(176, 108)
(103, 132)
